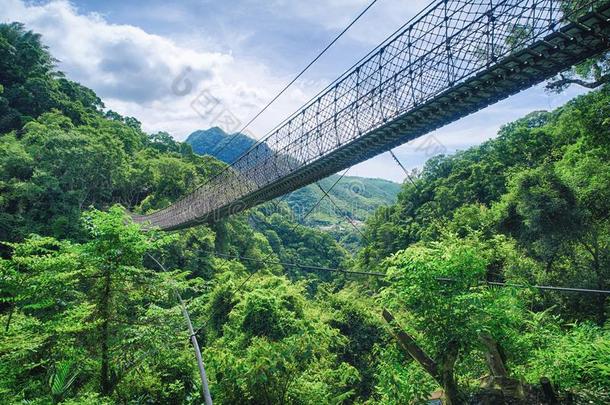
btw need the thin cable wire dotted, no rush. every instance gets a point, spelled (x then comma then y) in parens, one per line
(426, 11)
(299, 266)
(154, 351)
(375, 274)
(538, 287)
(350, 69)
(344, 215)
(549, 287)
(404, 169)
(296, 78)
(441, 279)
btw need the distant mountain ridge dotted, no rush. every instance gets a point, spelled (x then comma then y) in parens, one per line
(216, 142)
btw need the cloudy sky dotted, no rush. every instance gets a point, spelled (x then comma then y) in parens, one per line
(193, 64)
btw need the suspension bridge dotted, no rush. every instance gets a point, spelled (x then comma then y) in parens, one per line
(454, 58)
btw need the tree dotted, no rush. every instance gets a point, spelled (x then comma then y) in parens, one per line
(560, 224)
(437, 290)
(353, 316)
(47, 315)
(84, 316)
(275, 348)
(116, 251)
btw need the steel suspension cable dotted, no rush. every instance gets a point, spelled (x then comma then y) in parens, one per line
(297, 265)
(351, 68)
(193, 338)
(340, 212)
(437, 48)
(404, 169)
(441, 279)
(295, 78)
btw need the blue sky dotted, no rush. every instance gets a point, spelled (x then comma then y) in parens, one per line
(155, 60)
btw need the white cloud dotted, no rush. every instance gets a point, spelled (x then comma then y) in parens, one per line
(148, 76)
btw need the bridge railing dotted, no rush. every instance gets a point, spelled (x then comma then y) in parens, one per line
(449, 43)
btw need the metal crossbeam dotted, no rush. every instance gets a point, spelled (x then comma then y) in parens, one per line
(456, 58)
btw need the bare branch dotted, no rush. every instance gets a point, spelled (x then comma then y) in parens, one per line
(564, 81)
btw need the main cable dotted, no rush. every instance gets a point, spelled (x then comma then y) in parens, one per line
(400, 29)
(404, 169)
(349, 219)
(297, 265)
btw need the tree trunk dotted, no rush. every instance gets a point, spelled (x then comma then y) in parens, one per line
(510, 387)
(8, 319)
(105, 384)
(601, 298)
(452, 392)
(493, 356)
(548, 391)
(442, 374)
(410, 346)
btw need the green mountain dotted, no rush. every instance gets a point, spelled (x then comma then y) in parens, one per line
(215, 142)
(352, 197)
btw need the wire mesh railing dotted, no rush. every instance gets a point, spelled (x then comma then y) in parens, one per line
(449, 43)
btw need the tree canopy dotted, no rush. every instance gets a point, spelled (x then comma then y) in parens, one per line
(88, 315)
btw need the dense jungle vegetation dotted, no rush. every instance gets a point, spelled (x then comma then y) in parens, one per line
(87, 316)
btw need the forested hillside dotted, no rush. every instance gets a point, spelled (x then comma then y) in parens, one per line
(89, 308)
(527, 208)
(85, 312)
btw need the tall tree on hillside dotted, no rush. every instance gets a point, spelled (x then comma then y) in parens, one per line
(555, 223)
(436, 291)
(116, 251)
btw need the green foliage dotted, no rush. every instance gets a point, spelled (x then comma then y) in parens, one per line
(88, 317)
(299, 244)
(87, 320)
(577, 360)
(81, 314)
(32, 87)
(542, 181)
(354, 197)
(62, 379)
(545, 210)
(60, 154)
(529, 207)
(399, 380)
(352, 315)
(277, 349)
(439, 287)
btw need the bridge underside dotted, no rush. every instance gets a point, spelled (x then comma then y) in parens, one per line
(540, 60)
